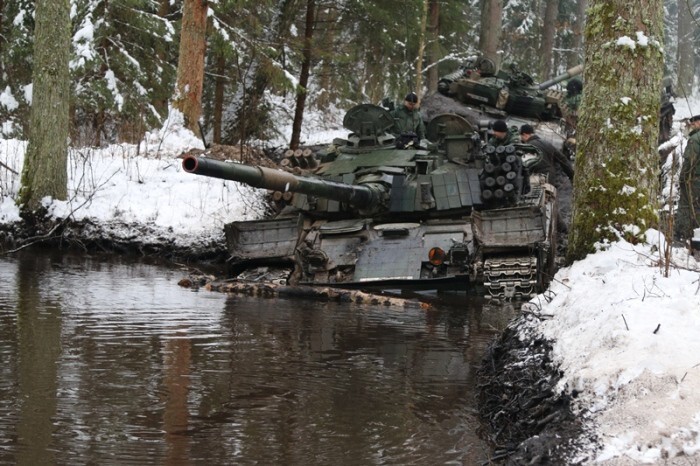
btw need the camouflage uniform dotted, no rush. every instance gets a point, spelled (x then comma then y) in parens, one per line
(511, 138)
(408, 121)
(570, 104)
(688, 213)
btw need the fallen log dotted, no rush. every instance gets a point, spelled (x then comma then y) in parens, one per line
(273, 290)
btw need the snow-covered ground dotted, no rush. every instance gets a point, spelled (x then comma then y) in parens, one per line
(627, 336)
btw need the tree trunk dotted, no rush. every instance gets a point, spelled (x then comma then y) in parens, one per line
(421, 50)
(616, 159)
(491, 23)
(434, 48)
(2, 18)
(190, 65)
(219, 91)
(161, 104)
(44, 172)
(329, 18)
(551, 12)
(576, 56)
(304, 75)
(686, 57)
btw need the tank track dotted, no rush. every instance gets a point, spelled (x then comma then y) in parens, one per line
(509, 278)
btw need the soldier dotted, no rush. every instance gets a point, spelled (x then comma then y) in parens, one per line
(407, 117)
(553, 161)
(688, 213)
(501, 135)
(558, 169)
(570, 105)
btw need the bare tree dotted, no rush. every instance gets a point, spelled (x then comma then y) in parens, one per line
(616, 159)
(44, 172)
(190, 66)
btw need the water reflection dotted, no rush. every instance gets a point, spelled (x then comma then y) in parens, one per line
(111, 362)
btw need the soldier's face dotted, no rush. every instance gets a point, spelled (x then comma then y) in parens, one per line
(409, 105)
(499, 134)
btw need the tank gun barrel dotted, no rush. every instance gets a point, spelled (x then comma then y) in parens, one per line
(570, 73)
(279, 180)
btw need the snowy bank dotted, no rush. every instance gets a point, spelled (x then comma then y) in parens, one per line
(626, 338)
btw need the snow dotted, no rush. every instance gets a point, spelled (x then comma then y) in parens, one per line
(624, 333)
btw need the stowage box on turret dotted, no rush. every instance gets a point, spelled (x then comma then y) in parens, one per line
(450, 213)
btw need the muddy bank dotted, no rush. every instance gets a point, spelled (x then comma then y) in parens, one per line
(112, 238)
(525, 419)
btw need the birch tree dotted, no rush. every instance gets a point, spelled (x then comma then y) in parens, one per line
(44, 172)
(616, 159)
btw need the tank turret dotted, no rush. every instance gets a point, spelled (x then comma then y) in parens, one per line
(369, 211)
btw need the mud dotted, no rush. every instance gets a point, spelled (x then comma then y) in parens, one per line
(525, 418)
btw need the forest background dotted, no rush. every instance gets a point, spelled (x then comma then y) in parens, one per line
(313, 53)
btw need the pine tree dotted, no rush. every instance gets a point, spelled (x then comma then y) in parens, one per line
(616, 159)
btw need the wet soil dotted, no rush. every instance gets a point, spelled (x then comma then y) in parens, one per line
(526, 419)
(111, 238)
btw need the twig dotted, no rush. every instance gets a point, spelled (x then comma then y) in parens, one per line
(8, 168)
(657, 329)
(623, 318)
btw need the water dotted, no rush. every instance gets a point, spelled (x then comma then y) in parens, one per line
(110, 362)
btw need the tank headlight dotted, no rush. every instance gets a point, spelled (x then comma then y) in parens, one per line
(436, 256)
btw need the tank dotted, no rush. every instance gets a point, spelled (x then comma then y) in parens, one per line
(449, 212)
(484, 94)
(481, 94)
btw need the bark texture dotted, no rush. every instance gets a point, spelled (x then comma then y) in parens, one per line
(434, 53)
(190, 66)
(615, 189)
(686, 57)
(304, 74)
(491, 24)
(44, 172)
(549, 26)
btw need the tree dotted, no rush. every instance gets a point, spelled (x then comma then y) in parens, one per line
(121, 68)
(548, 29)
(616, 159)
(44, 172)
(421, 49)
(434, 46)
(246, 114)
(491, 21)
(190, 66)
(304, 76)
(686, 55)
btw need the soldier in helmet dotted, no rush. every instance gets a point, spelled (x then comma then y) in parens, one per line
(688, 213)
(408, 118)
